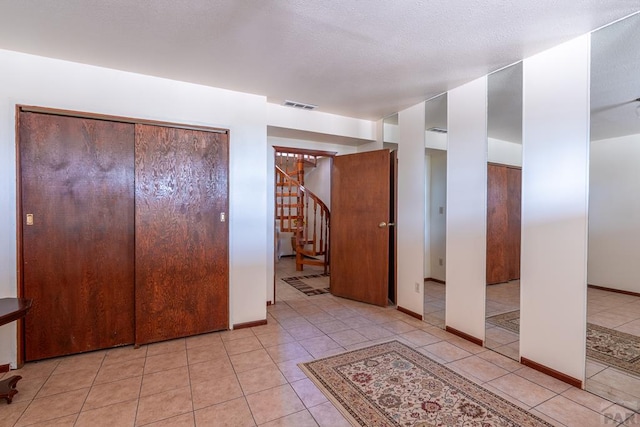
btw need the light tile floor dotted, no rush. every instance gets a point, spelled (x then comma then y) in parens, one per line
(250, 376)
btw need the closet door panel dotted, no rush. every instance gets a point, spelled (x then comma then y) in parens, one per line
(181, 255)
(76, 179)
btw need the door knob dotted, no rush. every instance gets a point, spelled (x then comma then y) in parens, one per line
(384, 224)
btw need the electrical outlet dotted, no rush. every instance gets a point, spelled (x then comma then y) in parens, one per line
(441, 210)
(417, 287)
(440, 261)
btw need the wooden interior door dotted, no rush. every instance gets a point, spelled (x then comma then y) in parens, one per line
(76, 180)
(360, 203)
(514, 190)
(497, 225)
(181, 252)
(503, 223)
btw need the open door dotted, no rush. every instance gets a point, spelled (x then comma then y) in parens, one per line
(360, 220)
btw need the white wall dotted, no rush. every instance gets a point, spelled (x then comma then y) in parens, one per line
(614, 213)
(505, 152)
(554, 207)
(467, 208)
(411, 208)
(438, 214)
(33, 80)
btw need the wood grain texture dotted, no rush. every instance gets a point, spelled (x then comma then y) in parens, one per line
(77, 181)
(497, 225)
(503, 223)
(360, 198)
(181, 250)
(514, 190)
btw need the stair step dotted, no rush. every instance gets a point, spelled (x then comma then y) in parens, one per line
(285, 184)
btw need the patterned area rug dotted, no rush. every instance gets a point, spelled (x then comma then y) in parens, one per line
(313, 284)
(391, 384)
(614, 348)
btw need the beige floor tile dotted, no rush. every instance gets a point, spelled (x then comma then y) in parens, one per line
(305, 331)
(203, 340)
(447, 351)
(206, 352)
(52, 407)
(242, 345)
(420, 338)
(28, 388)
(87, 361)
(114, 392)
(259, 379)
(163, 405)
(332, 326)
(398, 327)
(348, 337)
(326, 415)
(120, 414)
(215, 390)
(290, 369)
(501, 360)
(68, 421)
(275, 338)
(319, 344)
(9, 413)
(288, 351)
(321, 317)
(542, 379)
(56, 383)
(184, 420)
(570, 413)
(171, 346)
(479, 368)
(120, 370)
(299, 419)
(524, 390)
(236, 334)
(234, 413)
(165, 361)
(165, 380)
(374, 332)
(251, 360)
(587, 399)
(205, 371)
(308, 392)
(122, 354)
(271, 327)
(42, 368)
(274, 403)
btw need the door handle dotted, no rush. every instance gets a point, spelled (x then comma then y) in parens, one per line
(384, 224)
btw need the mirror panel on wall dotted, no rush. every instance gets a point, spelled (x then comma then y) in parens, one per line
(613, 270)
(504, 183)
(436, 202)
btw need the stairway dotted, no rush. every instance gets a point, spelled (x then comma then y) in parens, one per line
(301, 212)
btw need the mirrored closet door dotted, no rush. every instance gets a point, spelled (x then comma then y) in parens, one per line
(504, 128)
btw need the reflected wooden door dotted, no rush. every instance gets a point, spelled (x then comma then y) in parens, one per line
(181, 250)
(77, 233)
(360, 212)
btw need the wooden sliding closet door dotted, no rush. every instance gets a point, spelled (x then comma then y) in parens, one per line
(76, 181)
(181, 250)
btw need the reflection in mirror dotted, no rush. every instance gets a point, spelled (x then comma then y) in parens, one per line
(436, 202)
(613, 275)
(504, 128)
(390, 132)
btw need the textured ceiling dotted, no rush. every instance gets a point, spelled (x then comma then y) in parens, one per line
(357, 58)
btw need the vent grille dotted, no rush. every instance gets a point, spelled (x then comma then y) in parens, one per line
(300, 105)
(437, 130)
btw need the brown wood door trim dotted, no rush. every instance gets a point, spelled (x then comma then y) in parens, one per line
(121, 119)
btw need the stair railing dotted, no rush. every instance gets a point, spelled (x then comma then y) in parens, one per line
(301, 212)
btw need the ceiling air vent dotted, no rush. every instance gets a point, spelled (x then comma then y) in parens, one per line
(437, 130)
(300, 105)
